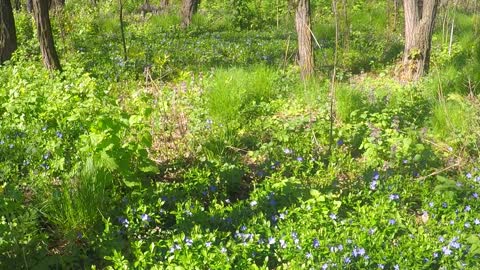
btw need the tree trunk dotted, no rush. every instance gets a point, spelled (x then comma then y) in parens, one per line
(29, 6)
(305, 49)
(8, 35)
(164, 4)
(189, 7)
(45, 36)
(419, 23)
(18, 5)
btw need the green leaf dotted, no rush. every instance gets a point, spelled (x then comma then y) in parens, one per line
(149, 169)
(131, 184)
(107, 162)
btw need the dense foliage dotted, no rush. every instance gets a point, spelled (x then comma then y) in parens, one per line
(204, 150)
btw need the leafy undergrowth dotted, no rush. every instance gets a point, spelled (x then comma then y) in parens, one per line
(142, 164)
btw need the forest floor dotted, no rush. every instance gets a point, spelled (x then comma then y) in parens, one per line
(205, 150)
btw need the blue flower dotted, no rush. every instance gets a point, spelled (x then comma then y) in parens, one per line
(123, 221)
(444, 205)
(358, 252)
(145, 217)
(392, 221)
(347, 260)
(454, 244)
(59, 134)
(316, 243)
(431, 204)
(333, 216)
(381, 266)
(325, 266)
(475, 195)
(208, 244)
(308, 255)
(287, 151)
(441, 239)
(300, 159)
(467, 225)
(188, 241)
(394, 197)
(45, 166)
(468, 175)
(376, 175)
(283, 244)
(373, 185)
(446, 251)
(272, 202)
(476, 221)
(468, 208)
(340, 142)
(396, 267)
(223, 250)
(271, 240)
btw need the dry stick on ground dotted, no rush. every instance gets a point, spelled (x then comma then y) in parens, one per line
(439, 171)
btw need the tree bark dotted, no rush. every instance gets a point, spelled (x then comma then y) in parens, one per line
(164, 4)
(189, 7)
(29, 6)
(419, 22)
(8, 35)
(18, 5)
(45, 36)
(305, 49)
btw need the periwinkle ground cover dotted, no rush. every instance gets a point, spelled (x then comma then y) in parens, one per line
(143, 164)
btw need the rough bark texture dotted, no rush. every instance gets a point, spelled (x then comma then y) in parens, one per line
(8, 36)
(189, 7)
(29, 6)
(305, 49)
(419, 23)
(18, 5)
(44, 33)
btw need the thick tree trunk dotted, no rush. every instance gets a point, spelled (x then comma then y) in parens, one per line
(8, 35)
(305, 49)
(18, 5)
(419, 23)
(29, 6)
(189, 7)
(45, 36)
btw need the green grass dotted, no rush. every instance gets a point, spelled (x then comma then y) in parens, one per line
(223, 158)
